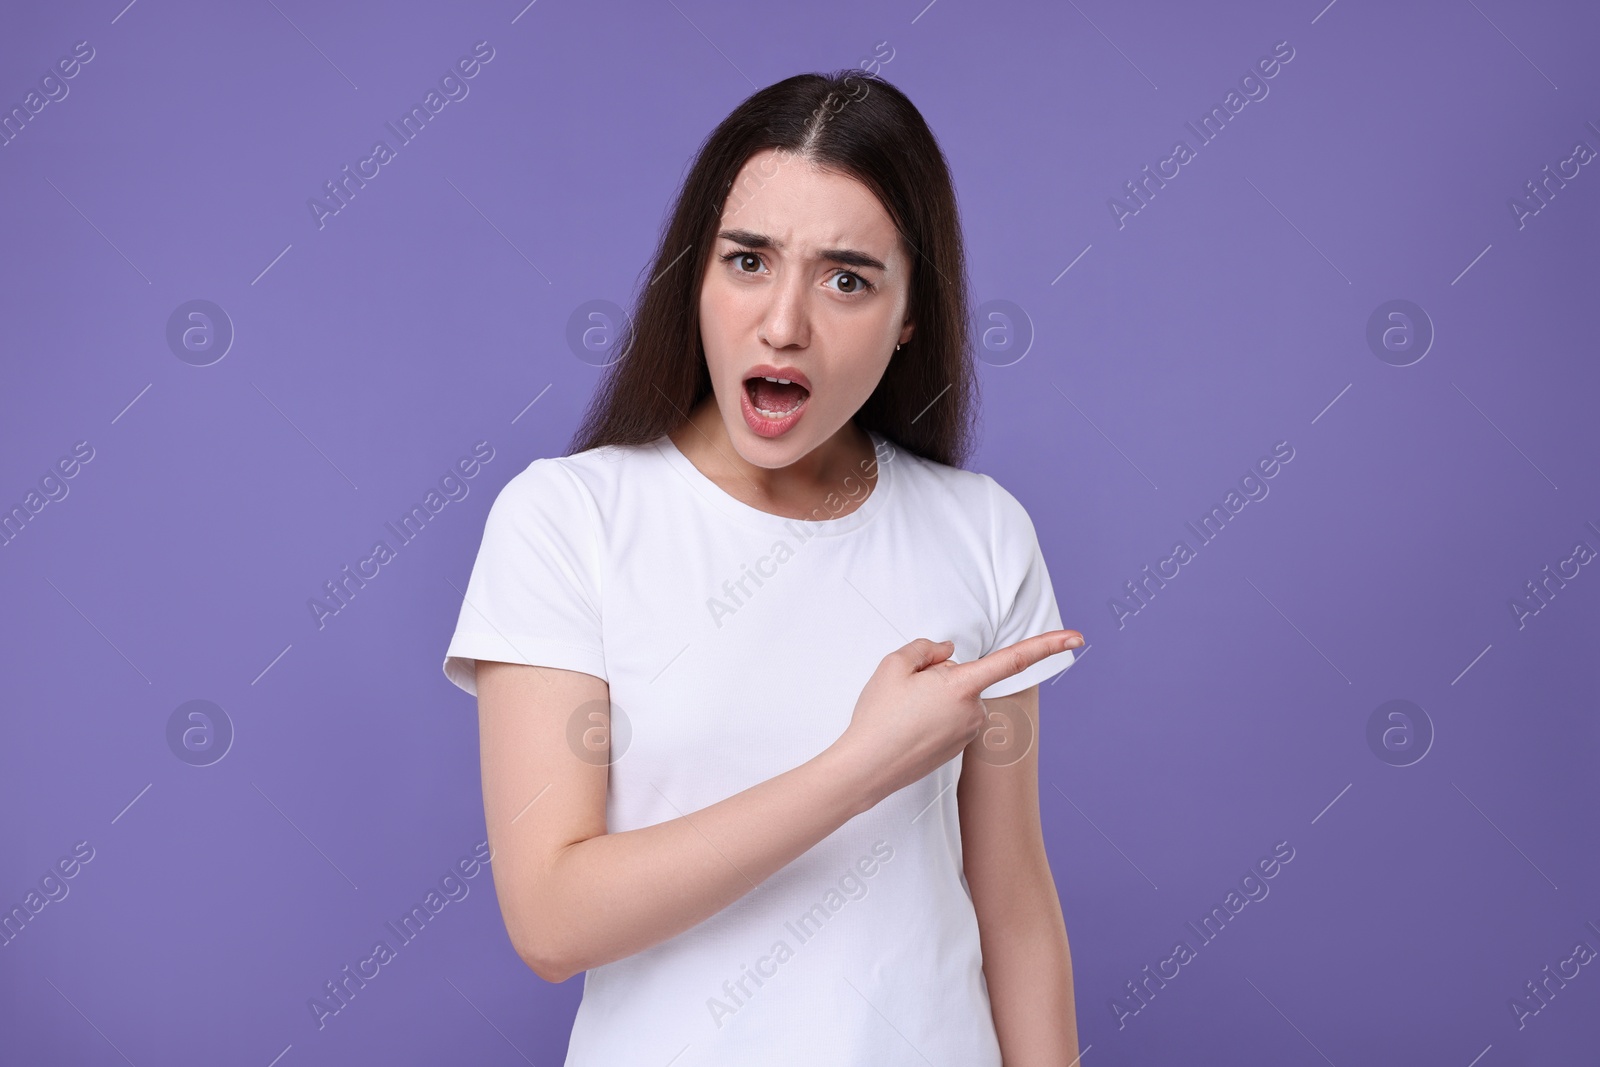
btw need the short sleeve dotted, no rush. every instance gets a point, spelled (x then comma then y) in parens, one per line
(1027, 600)
(534, 592)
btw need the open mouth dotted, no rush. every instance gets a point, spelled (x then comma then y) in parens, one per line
(774, 397)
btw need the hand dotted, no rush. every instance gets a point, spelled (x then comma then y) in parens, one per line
(919, 709)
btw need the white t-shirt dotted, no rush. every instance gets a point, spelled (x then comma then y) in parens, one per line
(735, 644)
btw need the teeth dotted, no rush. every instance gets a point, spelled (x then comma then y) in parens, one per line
(776, 414)
(773, 414)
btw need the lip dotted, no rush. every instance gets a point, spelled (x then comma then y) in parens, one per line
(759, 423)
(767, 370)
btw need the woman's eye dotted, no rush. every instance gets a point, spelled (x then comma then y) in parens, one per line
(853, 284)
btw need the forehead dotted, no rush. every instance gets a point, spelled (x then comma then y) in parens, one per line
(804, 207)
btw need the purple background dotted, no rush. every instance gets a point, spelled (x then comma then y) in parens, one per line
(1229, 314)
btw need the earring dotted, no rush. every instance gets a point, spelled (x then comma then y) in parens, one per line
(897, 348)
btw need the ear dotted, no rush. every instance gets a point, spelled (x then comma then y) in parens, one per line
(905, 332)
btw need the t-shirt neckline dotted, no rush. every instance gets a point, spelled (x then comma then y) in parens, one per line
(734, 508)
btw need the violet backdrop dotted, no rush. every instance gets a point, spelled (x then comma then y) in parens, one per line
(1376, 260)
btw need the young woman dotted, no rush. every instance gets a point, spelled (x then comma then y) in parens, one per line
(732, 651)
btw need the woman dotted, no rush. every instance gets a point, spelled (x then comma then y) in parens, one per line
(723, 772)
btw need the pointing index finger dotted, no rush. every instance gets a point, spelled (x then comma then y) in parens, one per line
(1002, 663)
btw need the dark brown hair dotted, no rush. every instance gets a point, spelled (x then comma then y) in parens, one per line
(852, 123)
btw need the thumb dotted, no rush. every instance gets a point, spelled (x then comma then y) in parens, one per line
(923, 653)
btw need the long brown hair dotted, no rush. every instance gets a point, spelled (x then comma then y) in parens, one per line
(851, 123)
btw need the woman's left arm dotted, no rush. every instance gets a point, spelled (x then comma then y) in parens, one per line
(1026, 961)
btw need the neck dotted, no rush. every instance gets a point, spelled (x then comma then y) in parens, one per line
(837, 467)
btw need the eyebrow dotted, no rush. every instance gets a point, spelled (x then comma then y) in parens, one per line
(848, 256)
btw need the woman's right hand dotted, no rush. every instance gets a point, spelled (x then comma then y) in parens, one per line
(919, 710)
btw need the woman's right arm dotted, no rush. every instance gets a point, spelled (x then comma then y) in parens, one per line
(574, 896)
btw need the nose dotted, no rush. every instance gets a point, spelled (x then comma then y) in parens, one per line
(787, 322)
